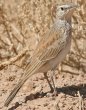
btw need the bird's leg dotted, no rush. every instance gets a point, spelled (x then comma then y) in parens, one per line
(53, 78)
(46, 77)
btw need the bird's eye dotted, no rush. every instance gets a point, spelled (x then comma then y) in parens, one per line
(62, 8)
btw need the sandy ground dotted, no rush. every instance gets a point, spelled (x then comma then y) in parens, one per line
(22, 23)
(35, 94)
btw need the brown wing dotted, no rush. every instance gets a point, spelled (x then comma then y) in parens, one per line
(50, 45)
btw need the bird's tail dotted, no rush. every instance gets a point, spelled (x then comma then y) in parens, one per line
(29, 73)
(13, 93)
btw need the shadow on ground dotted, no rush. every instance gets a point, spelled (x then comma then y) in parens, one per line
(72, 90)
(68, 90)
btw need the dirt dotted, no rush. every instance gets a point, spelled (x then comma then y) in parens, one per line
(22, 24)
(35, 93)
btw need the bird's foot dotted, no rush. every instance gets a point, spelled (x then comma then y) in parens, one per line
(55, 93)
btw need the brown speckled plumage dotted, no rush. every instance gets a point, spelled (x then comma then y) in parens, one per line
(52, 48)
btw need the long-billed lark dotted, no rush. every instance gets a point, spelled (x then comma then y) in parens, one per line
(51, 49)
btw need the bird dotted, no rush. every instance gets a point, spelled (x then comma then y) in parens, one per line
(51, 49)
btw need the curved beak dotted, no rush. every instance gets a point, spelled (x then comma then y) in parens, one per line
(70, 8)
(73, 6)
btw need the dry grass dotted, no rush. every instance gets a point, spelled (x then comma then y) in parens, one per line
(23, 23)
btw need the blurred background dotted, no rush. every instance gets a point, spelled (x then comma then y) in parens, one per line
(24, 22)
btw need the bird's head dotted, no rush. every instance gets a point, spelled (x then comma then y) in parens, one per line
(64, 12)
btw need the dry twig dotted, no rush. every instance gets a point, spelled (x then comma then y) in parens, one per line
(81, 106)
(14, 59)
